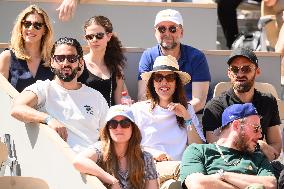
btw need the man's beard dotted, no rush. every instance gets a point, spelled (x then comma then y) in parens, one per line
(244, 86)
(167, 46)
(241, 143)
(65, 77)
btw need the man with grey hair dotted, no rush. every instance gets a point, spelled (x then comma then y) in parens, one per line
(168, 32)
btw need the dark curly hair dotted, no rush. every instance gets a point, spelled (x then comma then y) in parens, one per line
(68, 41)
(178, 96)
(114, 57)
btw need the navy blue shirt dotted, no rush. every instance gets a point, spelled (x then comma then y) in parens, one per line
(192, 61)
(20, 76)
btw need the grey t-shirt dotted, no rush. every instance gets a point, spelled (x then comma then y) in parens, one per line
(150, 169)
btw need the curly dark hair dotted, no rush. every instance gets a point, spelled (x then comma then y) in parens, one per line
(114, 57)
(68, 41)
(178, 96)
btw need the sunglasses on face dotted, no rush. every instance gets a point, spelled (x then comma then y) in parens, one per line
(169, 78)
(36, 25)
(163, 29)
(244, 69)
(98, 36)
(61, 58)
(113, 124)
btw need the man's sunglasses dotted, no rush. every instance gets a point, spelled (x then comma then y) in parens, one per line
(244, 69)
(113, 124)
(169, 78)
(36, 25)
(61, 58)
(163, 29)
(98, 36)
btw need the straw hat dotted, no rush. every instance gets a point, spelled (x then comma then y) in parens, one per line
(167, 63)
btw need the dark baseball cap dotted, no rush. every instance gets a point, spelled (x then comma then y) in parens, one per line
(244, 52)
(237, 111)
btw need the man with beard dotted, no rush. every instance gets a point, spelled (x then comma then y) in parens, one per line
(243, 69)
(168, 32)
(73, 110)
(232, 161)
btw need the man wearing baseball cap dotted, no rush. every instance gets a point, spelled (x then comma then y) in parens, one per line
(168, 32)
(231, 162)
(243, 70)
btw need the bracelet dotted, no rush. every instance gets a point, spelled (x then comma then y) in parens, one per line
(113, 183)
(188, 122)
(47, 119)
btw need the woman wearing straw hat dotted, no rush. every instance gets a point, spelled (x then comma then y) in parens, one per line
(166, 120)
(119, 162)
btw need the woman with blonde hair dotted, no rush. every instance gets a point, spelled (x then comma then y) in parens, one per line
(105, 61)
(27, 59)
(119, 161)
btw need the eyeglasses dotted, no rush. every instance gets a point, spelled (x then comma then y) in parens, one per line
(163, 29)
(61, 58)
(113, 124)
(169, 78)
(256, 127)
(244, 69)
(98, 36)
(36, 25)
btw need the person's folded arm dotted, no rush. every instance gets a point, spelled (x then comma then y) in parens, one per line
(85, 162)
(244, 180)
(201, 181)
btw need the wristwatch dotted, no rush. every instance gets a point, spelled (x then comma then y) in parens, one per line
(221, 174)
(47, 119)
(188, 122)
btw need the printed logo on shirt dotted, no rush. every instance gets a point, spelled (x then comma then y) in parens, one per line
(89, 109)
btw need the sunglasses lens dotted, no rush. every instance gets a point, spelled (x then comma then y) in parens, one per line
(162, 29)
(89, 37)
(173, 29)
(245, 69)
(59, 58)
(158, 77)
(72, 58)
(170, 77)
(234, 69)
(27, 24)
(125, 123)
(37, 25)
(112, 124)
(100, 35)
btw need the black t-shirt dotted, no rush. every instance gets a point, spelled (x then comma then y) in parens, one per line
(105, 86)
(265, 104)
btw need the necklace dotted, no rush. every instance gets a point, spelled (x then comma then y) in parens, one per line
(110, 94)
(234, 163)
